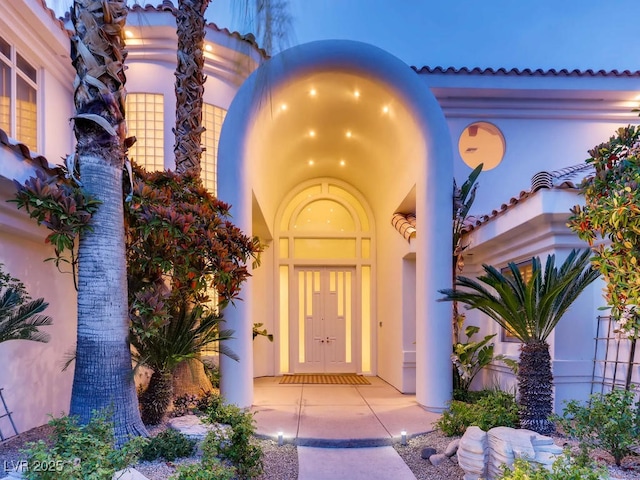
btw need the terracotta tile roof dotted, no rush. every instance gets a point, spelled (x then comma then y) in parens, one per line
(168, 6)
(562, 179)
(22, 150)
(52, 14)
(405, 223)
(528, 72)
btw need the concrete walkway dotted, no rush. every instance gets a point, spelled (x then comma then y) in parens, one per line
(337, 415)
(348, 420)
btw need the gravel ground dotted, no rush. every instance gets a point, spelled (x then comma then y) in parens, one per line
(281, 463)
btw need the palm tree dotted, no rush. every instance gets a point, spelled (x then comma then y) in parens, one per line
(19, 315)
(530, 311)
(190, 330)
(103, 376)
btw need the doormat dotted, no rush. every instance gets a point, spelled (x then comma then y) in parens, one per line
(326, 379)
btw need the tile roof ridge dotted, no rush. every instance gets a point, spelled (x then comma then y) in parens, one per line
(21, 149)
(538, 72)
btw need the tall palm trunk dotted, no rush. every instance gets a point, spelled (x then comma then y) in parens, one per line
(535, 387)
(103, 378)
(190, 378)
(189, 87)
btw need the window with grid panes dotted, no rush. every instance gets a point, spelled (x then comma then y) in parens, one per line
(526, 270)
(18, 96)
(145, 121)
(212, 118)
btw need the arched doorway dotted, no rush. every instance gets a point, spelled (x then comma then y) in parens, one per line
(347, 111)
(325, 236)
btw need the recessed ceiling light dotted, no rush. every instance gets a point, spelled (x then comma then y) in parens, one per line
(128, 33)
(311, 163)
(356, 94)
(312, 133)
(283, 106)
(342, 163)
(313, 92)
(348, 134)
(208, 47)
(385, 109)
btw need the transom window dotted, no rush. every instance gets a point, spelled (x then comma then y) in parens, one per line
(18, 96)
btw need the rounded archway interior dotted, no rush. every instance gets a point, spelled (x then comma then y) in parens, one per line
(351, 112)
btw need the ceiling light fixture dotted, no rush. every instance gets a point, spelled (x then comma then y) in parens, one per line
(208, 47)
(311, 163)
(348, 134)
(283, 106)
(342, 163)
(128, 33)
(312, 133)
(356, 94)
(313, 92)
(385, 109)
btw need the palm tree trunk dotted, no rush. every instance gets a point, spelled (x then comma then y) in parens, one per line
(189, 86)
(535, 387)
(155, 400)
(103, 377)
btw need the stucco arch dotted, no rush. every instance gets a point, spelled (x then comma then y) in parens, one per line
(263, 154)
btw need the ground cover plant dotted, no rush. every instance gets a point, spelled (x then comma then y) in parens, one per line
(564, 468)
(168, 444)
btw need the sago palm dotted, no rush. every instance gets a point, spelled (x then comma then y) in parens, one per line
(529, 311)
(20, 320)
(190, 330)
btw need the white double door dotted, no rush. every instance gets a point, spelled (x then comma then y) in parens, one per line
(323, 320)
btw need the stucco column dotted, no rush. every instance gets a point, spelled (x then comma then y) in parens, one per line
(433, 272)
(236, 378)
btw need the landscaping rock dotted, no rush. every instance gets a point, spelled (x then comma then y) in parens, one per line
(438, 459)
(427, 452)
(452, 448)
(192, 427)
(473, 453)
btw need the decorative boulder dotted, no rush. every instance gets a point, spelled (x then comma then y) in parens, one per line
(473, 453)
(427, 452)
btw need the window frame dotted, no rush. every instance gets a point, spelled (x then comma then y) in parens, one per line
(32, 80)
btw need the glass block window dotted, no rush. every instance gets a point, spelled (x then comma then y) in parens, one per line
(212, 118)
(145, 121)
(18, 96)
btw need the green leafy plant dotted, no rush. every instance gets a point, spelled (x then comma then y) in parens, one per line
(612, 212)
(213, 372)
(20, 317)
(530, 311)
(470, 357)
(209, 469)
(243, 454)
(492, 409)
(82, 452)
(57, 201)
(610, 421)
(168, 444)
(262, 332)
(564, 468)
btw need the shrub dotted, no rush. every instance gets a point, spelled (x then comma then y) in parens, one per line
(169, 444)
(245, 456)
(492, 409)
(209, 470)
(184, 405)
(80, 451)
(564, 468)
(610, 421)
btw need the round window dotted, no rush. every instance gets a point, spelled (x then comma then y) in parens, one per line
(482, 142)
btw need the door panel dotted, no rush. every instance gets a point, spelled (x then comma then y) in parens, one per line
(324, 340)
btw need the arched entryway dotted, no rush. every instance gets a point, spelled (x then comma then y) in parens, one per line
(350, 117)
